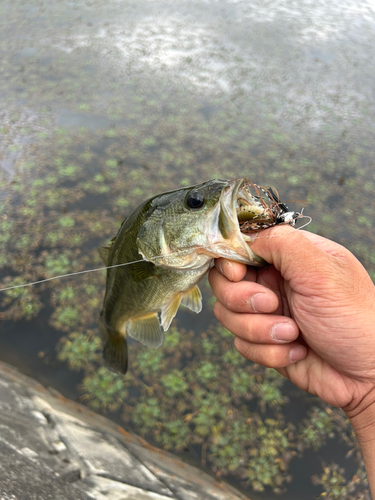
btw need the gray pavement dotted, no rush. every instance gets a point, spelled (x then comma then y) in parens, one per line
(53, 448)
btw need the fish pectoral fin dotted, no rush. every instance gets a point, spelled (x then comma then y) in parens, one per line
(141, 271)
(115, 354)
(193, 299)
(146, 330)
(169, 311)
(104, 254)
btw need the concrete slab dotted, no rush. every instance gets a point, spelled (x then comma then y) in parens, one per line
(54, 449)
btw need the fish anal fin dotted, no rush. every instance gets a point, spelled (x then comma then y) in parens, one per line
(193, 299)
(146, 330)
(104, 254)
(115, 354)
(169, 311)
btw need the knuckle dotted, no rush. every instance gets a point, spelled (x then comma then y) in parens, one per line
(228, 297)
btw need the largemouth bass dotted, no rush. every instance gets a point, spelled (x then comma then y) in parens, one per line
(169, 242)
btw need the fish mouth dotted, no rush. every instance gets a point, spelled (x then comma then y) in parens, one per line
(245, 208)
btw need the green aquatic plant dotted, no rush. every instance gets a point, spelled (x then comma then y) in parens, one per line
(174, 384)
(69, 194)
(173, 434)
(65, 318)
(66, 221)
(105, 389)
(265, 467)
(57, 264)
(18, 302)
(79, 350)
(333, 483)
(225, 454)
(319, 426)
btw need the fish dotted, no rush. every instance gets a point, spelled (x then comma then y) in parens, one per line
(168, 244)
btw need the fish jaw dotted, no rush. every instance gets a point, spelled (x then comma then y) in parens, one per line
(224, 236)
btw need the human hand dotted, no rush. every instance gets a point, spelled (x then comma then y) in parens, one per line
(310, 315)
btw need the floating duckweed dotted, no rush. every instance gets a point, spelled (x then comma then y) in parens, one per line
(185, 182)
(221, 400)
(67, 294)
(315, 430)
(28, 212)
(149, 361)
(110, 133)
(66, 221)
(68, 171)
(86, 156)
(208, 346)
(172, 339)
(19, 302)
(206, 372)
(226, 454)
(364, 221)
(54, 237)
(111, 163)
(24, 241)
(173, 434)
(148, 413)
(57, 265)
(105, 389)
(149, 141)
(67, 317)
(174, 384)
(79, 349)
(38, 182)
(333, 482)
(294, 180)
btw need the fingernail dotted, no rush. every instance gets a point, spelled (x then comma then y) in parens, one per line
(221, 267)
(283, 332)
(260, 302)
(297, 353)
(228, 273)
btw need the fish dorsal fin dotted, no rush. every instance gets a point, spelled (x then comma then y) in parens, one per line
(146, 330)
(104, 251)
(104, 254)
(193, 299)
(169, 311)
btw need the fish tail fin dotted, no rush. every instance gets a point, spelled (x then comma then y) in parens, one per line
(115, 349)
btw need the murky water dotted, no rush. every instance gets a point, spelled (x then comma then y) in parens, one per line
(105, 104)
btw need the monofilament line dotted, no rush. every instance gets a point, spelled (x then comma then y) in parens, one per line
(89, 271)
(66, 275)
(126, 263)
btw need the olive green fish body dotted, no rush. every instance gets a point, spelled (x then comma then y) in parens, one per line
(167, 245)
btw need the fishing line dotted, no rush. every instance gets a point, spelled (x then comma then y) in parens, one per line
(136, 261)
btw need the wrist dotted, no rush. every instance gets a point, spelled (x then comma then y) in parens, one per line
(362, 417)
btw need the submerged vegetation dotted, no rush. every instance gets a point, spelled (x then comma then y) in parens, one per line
(68, 193)
(196, 392)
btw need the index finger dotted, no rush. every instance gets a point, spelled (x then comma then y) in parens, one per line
(234, 271)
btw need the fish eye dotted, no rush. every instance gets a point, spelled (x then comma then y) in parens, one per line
(194, 200)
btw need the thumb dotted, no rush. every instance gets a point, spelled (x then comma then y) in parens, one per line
(290, 251)
(307, 260)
